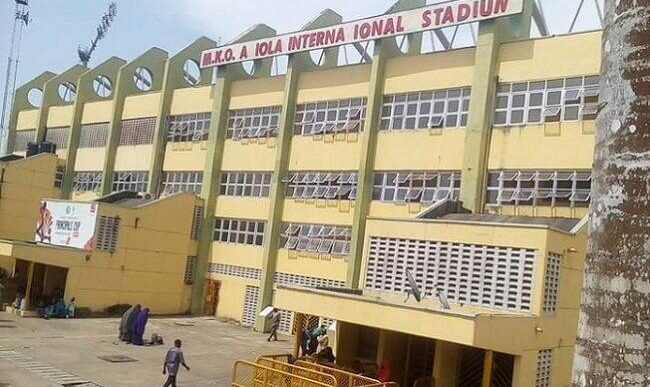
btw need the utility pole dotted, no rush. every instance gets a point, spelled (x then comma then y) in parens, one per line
(21, 19)
(613, 347)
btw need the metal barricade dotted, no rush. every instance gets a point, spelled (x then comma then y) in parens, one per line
(343, 378)
(297, 370)
(247, 374)
(283, 357)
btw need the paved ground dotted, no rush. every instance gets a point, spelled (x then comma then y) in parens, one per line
(34, 352)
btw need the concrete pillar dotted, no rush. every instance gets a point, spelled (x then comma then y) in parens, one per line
(28, 288)
(488, 361)
(446, 364)
(491, 35)
(299, 320)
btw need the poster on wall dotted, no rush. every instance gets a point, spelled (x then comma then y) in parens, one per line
(67, 224)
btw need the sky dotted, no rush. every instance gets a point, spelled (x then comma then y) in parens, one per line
(58, 27)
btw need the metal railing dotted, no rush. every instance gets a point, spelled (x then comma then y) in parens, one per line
(247, 374)
(343, 378)
(299, 371)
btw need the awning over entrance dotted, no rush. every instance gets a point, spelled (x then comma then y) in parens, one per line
(505, 332)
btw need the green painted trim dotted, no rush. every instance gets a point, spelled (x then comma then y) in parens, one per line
(492, 34)
(173, 79)
(154, 60)
(21, 103)
(85, 94)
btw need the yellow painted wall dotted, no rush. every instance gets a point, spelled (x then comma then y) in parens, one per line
(25, 183)
(27, 119)
(312, 264)
(429, 72)
(84, 196)
(141, 105)
(185, 156)
(337, 212)
(242, 207)
(191, 100)
(325, 153)
(551, 57)
(395, 210)
(339, 83)
(426, 150)
(249, 156)
(94, 112)
(237, 254)
(133, 157)
(90, 159)
(252, 93)
(540, 211)
(59, 116)
(231, 296)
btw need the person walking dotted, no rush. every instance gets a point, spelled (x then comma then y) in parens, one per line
(275, 324)
(173, 360)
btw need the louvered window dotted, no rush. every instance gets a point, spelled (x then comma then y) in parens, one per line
(335, 116)
(87, 181)
(93, 135)
(235, 271)
(544, 363)
(316, 238)
(242, 231)
(249, 312)
(562, 188)
(253, 123)
(197, 216)
(497, 277)
(138, 131)
(426, 109)
(188, 127)
(416, 186)
(107, 233)
(59, 175)
(174, 182)
(280, 277)
(58, 136)
(135, 181)
(245, 184)
(545, 101)
(190, 268)
(552, 281)
(321, 185)
(22, 138)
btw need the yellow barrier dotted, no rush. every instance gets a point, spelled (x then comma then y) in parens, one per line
(343, 378)
(283, 357)
(296, 370)
(247, 374)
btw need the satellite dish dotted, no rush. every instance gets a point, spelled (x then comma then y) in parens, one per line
(415, 289)
(443, 299)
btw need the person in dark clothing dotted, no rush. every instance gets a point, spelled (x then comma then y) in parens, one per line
(139, 326)
(275, 324)
(123, 322)
(173, 360)
(325, 356)
(129, 323)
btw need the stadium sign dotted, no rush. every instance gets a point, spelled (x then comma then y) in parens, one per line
(427, 18)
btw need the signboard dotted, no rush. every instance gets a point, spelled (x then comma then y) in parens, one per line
(427, 18)
(67, 224)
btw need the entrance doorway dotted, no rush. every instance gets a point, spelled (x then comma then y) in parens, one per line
(45, 285)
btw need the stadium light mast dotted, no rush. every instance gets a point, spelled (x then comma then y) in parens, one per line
(85, 52)
(21, 19)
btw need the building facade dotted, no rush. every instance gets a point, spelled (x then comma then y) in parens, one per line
(326, 176)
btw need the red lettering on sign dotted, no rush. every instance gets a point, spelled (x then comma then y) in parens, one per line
(464, 12)
(229, 55)
(340, 35)
(400, 26)
(244, 52)
(448, 16)
(206, 60)
(475, 11)
(426, 19)
(438, 13)
(486, 7)
(500, 6)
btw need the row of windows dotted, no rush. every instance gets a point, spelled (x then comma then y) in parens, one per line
(242, 231)
(539, 188)
(426, 110)
(136, 181)
(247, 184)
(89, 181)
(137, 131)
(188, 127)
(557, 100)
(322, 185)
(337, 116)
(174, 182)
(108, 230)
(22, 138)
(93, 135)
(58, 136)
(416, 186)
(280, 277)
(316, 238)
(253, 123)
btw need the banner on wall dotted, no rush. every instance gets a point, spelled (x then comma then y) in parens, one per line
(431, 17)
(67, 224)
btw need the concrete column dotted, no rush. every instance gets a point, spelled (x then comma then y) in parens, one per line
(446, 364)
(28, 288)
(492, 34)
(488, 361)
(299, 320)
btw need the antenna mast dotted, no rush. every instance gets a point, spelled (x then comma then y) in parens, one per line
(85, 53)
(21, 19)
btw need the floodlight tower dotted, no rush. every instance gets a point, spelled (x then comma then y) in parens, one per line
(85, 53)
(21, 19)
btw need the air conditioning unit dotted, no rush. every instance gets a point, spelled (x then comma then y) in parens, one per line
(46, 147)
(32, 149)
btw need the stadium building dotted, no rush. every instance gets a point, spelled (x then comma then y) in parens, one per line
(322, 187)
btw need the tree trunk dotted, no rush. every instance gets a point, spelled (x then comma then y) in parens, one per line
(613, 348)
